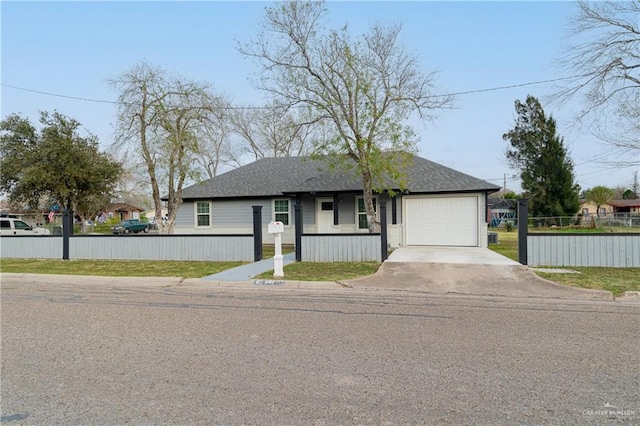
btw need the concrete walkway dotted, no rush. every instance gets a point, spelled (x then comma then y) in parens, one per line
(246, 272)
(457, 255)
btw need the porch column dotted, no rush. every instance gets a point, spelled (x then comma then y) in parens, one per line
(298, 228)
(383, 230)
(394, 210)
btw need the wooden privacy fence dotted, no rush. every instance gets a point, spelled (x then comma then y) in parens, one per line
(133, 247)
(602, 250)
(341, 247)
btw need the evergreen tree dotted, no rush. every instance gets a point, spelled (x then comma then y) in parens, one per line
(545, 167)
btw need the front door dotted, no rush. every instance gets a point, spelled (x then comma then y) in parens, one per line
(324, 213)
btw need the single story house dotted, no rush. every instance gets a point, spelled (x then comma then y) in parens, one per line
(626, 207)
(587, 208)
(440, 206)
(151, 214)
(611, 208)
(123, 211)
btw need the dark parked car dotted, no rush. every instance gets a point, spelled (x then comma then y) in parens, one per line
(130, 225)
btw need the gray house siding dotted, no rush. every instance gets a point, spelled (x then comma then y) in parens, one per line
(185, 215)
(239, 212)
(232, 216)
(308, 211)
(347, 209)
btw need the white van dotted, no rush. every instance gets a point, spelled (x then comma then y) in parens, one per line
(11, 226)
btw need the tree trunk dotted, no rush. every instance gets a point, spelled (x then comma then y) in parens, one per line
(372, 221)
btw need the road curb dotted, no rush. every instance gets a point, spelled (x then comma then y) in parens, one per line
(171, 281)
(264, 284)
(96, 280)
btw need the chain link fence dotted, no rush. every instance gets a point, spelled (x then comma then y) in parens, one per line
(609, 223)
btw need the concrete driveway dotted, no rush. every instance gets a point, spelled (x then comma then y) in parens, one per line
(466, 270)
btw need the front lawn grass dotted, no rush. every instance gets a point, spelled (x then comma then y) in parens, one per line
(269, 250)
(615, 280)
(587, 230)
(507, 244)
(325, 271)
(116, 268)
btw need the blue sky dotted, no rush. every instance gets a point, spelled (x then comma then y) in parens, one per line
(73, 48)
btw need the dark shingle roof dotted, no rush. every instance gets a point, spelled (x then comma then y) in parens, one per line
(625, 203)
(277, 176)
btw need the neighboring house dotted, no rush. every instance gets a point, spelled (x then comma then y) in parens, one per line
(612, 208)
(440, 206)
(626, 207)
(123, 211)
(587, 208)
(151, 214)
(501, 210)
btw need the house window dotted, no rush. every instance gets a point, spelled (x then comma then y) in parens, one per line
(281, 211)
(203, 213)
(585, 211)
(327, 206)
(361, 212)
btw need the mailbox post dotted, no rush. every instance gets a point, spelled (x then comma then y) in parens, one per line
(277, 228)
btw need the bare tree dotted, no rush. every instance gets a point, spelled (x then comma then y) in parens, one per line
(605, 59)
(159, 118)
(132, 187)
(273, 131)
(213, 144)
(364, 88)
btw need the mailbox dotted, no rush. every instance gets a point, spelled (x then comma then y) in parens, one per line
(276, 227)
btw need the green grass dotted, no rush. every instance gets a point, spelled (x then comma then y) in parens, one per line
(116, 268)
(587, 230)
(507, 244)
(333, 271)
(615, 280)
(268, 251)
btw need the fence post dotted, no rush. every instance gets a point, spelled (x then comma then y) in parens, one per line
(523, 221)
(298, 225)
(257, 233)
(67, 228)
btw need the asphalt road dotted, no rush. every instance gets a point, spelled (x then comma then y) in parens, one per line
(105, 354)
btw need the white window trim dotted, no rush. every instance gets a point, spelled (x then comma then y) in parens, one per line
(273, 210)
(195, 215)
(377, 207)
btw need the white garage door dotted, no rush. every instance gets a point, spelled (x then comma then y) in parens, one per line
(440, 221)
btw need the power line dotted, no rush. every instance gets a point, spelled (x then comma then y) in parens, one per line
(490, 89)
(59, 95)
